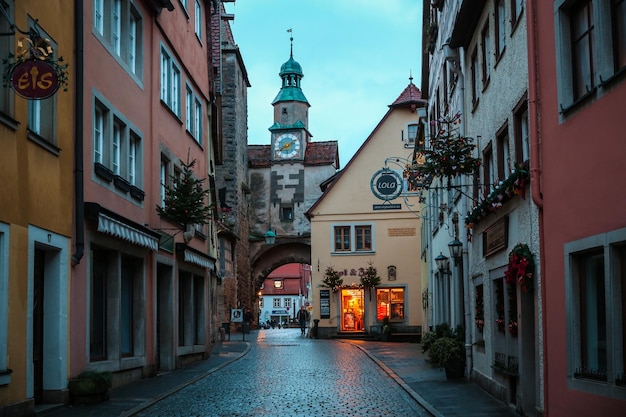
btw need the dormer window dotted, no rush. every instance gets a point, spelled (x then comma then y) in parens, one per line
(278, 283)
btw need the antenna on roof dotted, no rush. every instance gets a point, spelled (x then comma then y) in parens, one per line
(291, 40)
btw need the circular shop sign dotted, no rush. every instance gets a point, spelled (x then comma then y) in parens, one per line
(386, 184)
(34, 79)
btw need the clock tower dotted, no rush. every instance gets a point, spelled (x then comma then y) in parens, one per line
(290, 134)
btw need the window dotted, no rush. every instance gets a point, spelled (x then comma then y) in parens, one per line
(363, 238)
(117, 24)
(591, 48)
(353, 238)
(522, 140)
(595, 272)
(276, 302)
(197, 120)
(278, 283)
(618, 11)
(287, 302)
(488, 170)
(116, 144)
(42, 113)
(390, 303)
(109, 342)
(412, 130)
(500, 28)
(486, 54)
(130, 299)
(286, 214)
(6, 50)
(98, 133)
(189, 109)
(164, 178)
(582, 30)
(190, 309)
(198, 19)
(504, 157)
(516, 11)
(342, 238)
(474, 72)
(170, 82)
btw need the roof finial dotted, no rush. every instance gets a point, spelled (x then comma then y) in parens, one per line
(410, 77)
(291, 40)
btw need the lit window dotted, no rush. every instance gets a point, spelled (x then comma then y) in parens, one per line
(278, 283)
(390, 303)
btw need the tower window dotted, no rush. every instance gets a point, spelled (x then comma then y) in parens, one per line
(284, 110)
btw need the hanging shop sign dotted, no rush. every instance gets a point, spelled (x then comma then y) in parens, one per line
(34, 79)
(33, 71)
(386, 184)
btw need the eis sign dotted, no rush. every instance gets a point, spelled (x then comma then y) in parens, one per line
(35, 79)
(386, 184)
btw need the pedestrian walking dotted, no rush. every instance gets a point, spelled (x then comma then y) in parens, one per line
(303, 318)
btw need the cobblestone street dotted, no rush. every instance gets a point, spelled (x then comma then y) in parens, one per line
(286, 374)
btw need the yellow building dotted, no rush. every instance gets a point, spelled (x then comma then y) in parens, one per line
(36, 203)
(368, 216)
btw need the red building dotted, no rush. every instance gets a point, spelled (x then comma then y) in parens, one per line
(577, 97)
(284, 291)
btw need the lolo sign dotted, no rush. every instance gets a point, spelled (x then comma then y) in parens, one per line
(386, 184)
(35, 79)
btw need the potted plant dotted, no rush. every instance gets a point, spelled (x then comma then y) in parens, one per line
(90, 387)
(446, 349)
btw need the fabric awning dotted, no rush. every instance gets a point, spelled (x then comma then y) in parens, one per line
(126, 232)
(194, 256)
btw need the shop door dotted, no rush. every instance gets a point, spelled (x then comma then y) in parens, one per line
(352, 310)
(38, 319)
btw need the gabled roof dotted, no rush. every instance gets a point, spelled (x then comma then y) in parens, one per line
(410, 98)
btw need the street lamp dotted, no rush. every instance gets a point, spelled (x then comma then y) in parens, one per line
(441, 261)
(270, 237)
(456, 250)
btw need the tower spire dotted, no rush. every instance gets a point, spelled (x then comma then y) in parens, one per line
(291, 41)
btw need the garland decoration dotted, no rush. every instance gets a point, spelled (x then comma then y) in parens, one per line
(332, 279)
(450, 154)
(514, 184)
(521, 267)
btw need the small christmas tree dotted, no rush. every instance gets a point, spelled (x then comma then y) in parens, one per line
(370, 278)
(332, 279)
(185, 200)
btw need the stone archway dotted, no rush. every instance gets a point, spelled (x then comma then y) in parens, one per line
(267, 258)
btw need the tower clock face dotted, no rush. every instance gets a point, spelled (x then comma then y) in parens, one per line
(287, 145)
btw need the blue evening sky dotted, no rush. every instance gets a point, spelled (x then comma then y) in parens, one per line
(356, 56)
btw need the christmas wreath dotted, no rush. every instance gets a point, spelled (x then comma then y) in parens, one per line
(521, 267)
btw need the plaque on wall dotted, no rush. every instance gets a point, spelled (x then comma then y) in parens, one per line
(324, 304)
(496, 236)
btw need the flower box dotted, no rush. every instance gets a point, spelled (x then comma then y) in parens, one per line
(121, 183)
(103, 172)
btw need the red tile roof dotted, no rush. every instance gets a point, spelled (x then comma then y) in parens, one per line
(317, 153)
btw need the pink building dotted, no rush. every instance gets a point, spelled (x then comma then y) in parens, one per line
(142, 288)
(577, 97)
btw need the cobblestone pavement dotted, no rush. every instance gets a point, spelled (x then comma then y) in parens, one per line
(286, 374)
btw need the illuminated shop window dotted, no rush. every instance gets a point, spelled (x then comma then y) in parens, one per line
(390, 303)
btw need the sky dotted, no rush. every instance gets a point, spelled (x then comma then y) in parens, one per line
(356, 56)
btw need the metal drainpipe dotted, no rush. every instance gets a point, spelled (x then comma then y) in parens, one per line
(79, 218)
(535, 175)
